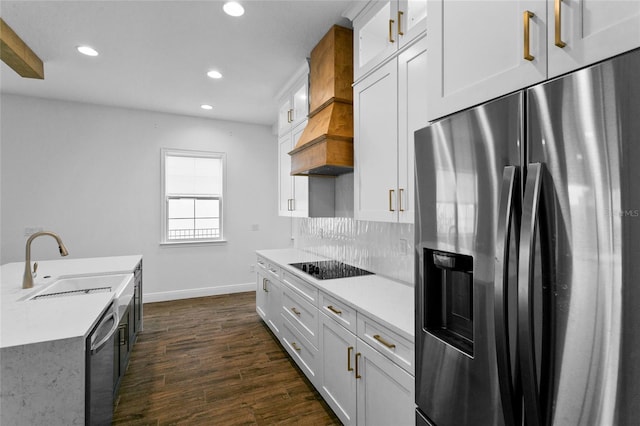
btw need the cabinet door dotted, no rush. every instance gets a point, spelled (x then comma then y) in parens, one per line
(591, 30)
(337, 369)
(375, 145)
(261, 296)
(284, 115)
(476, 51)
(300, 191)
(375, 36)
(274, 304)
(412, 116)
(285, 183)
(385, 391)
(412, 20)
(300, 102)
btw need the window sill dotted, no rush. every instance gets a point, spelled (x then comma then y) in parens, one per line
(192, 243)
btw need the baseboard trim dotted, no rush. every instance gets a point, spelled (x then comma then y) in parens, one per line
(166, 296)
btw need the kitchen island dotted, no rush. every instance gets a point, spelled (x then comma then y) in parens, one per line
(42, 342)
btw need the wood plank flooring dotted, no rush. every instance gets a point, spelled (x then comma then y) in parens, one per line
(212, 361)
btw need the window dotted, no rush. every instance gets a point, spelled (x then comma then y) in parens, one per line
(192, 192)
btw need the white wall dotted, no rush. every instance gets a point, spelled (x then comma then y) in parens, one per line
(92, 174)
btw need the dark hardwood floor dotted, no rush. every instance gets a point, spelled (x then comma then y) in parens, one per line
(212, 361)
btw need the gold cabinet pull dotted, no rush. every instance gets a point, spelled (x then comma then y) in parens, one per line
(264, 285)
(400, 208)
(334, 310)
(384, 342)
(295, 311)
(290, 116)
(358, 376)
(293, 344)
(391, 191)
(349, 350)
(400, 13)
(526, 16)
(391, 40)
(558, 16)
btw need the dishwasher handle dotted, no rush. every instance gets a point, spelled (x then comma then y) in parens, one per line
(96, 347)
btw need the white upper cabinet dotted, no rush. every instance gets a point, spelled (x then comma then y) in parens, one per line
(582, 32)
(390, 104)
(293, 191)
(294, 103)
(477, 51)
(480, 50)
(382, 28)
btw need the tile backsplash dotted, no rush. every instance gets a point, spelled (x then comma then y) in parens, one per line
(383, 248)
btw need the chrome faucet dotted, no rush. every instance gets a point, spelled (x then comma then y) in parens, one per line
(27, 282)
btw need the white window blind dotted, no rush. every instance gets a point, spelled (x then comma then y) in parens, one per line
(193, 187)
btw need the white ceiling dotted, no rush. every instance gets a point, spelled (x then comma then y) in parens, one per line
(154, 55)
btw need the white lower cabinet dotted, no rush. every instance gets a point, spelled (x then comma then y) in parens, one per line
(362, 369)
(269, 298)
(362, 386)
(386, 393)
(337, 369)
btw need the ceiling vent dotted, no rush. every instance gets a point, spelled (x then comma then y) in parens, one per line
(326, 144)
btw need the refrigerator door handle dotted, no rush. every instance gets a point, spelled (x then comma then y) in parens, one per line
(526, 338)
(506, 217)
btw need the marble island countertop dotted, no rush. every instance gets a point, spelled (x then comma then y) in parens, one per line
(24, 322)
(390, 302)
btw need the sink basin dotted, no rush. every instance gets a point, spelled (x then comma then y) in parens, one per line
(75, 286)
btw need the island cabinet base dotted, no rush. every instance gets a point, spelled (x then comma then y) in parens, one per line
(54, 390)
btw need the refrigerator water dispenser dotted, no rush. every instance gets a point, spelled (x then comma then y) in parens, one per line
(449, 298)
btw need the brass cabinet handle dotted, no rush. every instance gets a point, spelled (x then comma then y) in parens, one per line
(526, 16)
(400, 199)
(391, 40)
(558, 16)
(384, 342)
(391, 191)
(400, 13)
(358, 376)
(293, 344)
(264, 284)
(295, 311)
(334, 310)
(290, 116)
(349, 350)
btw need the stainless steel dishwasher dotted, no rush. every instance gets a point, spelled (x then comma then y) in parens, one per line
(99, 374)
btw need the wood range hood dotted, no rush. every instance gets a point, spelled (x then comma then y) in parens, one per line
(326, 144)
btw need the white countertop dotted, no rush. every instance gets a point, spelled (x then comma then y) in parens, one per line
(388, 301)
(24, 322)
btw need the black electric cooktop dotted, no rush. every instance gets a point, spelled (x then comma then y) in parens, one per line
(330, 269)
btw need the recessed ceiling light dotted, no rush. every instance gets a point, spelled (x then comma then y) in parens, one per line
(214, 74)
(233, 8)
(205, 106)
(87, 50)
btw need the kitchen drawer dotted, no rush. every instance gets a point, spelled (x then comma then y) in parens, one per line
(339, 311)
(271, 269)
(301, 314)
(388, 343)
(301, 287)
(301, 350)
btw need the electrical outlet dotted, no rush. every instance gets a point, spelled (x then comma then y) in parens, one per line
(255, 227)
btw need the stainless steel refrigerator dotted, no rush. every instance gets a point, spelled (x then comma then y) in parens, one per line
(528, 256)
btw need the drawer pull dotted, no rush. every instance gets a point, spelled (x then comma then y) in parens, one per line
(293, 344)
(264, 284)
(391, 40)
(391, 193)
(295, 311)
(358, 376)
(334, 310)
(384, 342)
(349, 350)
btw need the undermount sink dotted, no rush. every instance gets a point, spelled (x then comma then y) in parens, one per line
(74, 286)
